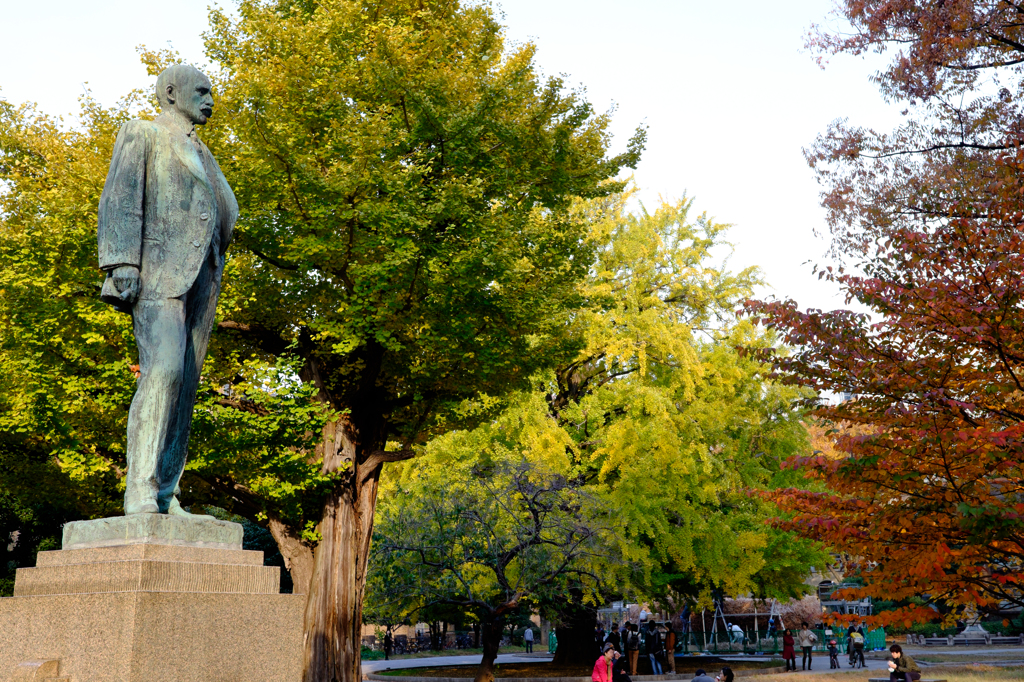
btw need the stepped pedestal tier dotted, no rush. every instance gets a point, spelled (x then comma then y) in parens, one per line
(150, 597)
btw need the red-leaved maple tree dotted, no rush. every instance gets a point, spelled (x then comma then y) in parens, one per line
(927, 499)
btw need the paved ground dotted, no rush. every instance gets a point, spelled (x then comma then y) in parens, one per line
(820, 662)
(374, 666)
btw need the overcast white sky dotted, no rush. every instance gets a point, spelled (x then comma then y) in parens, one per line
(726, 89)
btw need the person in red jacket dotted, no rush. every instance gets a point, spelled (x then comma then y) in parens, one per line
(788, 651)
(603, 665)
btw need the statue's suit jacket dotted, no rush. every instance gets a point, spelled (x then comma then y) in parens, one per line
(162, 207)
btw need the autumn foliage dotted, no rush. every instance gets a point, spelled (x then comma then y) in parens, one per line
(927, 231)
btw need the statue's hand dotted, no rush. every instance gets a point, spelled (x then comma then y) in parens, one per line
(126, 281)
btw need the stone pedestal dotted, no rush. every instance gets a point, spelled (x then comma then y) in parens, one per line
(151, 597)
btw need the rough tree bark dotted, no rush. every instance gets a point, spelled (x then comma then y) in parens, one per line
(334, 607)
(297, 554)
(490, 636)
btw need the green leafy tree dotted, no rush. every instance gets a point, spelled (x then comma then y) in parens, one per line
(675, 418)
(488, 521)
(664, 418)
(407, 184)
(64, 364)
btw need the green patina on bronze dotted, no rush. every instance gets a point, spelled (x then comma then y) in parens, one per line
(165, 219)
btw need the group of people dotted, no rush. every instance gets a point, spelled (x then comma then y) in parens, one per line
(807, 638)
(621, 649)
(633, 639)
(610, 666)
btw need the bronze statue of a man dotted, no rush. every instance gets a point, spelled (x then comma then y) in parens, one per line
(165, 219)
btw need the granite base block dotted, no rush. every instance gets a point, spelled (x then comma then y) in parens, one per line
(157, 529)
(145, 636)
(147, 576)
(158, 598)
(149, 552)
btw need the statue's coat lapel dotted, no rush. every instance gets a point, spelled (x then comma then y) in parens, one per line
(185, 152)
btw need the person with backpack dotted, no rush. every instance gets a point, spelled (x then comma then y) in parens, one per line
(807, 641)
(857, 640)
(632, 645)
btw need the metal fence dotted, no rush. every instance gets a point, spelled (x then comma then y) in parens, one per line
(747, 641)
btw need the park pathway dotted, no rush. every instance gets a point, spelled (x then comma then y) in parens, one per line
(473, 659)
(820, 662)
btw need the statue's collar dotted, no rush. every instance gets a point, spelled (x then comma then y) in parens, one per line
(177, 123)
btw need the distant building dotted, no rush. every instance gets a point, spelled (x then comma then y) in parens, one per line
(830, 580)
(826, 590)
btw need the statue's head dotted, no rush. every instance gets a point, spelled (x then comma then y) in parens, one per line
(186, 89)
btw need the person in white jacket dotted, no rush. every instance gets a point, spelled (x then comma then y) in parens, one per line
(807, 641)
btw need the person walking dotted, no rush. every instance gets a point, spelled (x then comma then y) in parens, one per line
(603, 665)
(654, 647)
(632, 646)
(902, 667)
(788, 653)
(528, 639)
(807, 641)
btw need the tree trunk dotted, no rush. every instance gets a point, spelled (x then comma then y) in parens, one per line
(334, 608)
(490, 635)
(297, 554)
(576, 643)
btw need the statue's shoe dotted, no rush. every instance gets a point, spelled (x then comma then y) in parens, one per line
(174, 509)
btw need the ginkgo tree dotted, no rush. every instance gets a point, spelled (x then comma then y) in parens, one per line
(406, 181)
(672, 413)
(487, 521)
(664, 421)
